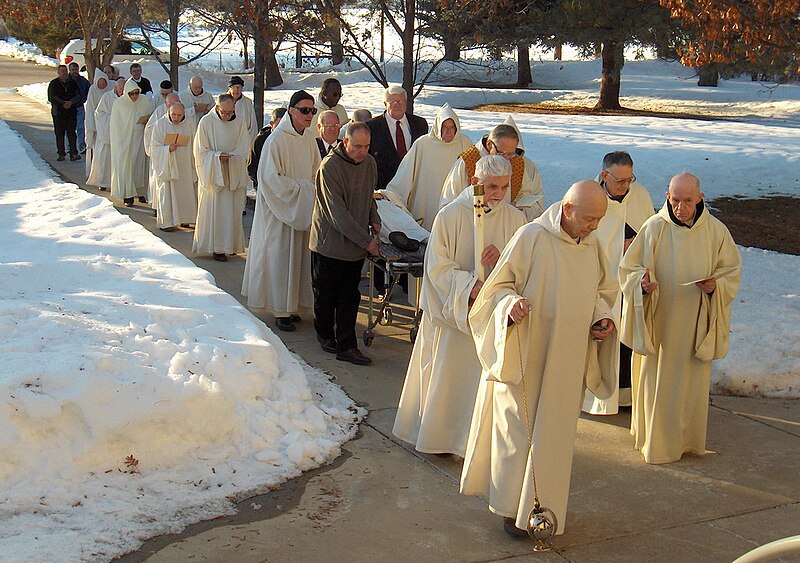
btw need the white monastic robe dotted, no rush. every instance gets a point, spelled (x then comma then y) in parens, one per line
(541, 362)
(173, 173)
(677, 330)
(395, 217)
(222, 186)
(159, 112)
(278, 270)
(90, 124)
(129, 167)
(189, 100)
(322, 106)
(442, 379)
(633, 210)
(421, 174)
(531, 194)
(246, 111)
(100, 174)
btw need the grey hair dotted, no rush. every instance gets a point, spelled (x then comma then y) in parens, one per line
(321, 116)
(392, 91)
(617, 158)
(503, 130)
(362, 115)
(356, 126)
(492, 165)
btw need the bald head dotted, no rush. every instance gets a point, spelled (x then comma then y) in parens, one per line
(683, 196)
(177, 112)
(582, 207)
(196, 85)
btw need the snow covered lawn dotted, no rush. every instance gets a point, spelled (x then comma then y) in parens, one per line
(112, 344)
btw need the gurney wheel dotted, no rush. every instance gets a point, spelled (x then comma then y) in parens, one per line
(386, 317)
(369, 336)
(412, 334)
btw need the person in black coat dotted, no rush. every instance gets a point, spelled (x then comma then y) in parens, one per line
(64, 98)
(144, 84)
(384, 146)
(258, 143)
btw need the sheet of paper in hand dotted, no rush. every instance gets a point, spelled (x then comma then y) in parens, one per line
(176, 139)
(693, 282)
(201, 108)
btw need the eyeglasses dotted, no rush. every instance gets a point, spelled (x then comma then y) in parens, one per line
(630, 180)
(330, 125)
(306, 111)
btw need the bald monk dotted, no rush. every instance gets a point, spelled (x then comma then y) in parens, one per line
(679, 278)
(542, 316)
(197, 98)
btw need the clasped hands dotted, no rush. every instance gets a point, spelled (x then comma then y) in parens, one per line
(601, 330)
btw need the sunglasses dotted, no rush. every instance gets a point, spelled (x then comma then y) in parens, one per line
(306, 111)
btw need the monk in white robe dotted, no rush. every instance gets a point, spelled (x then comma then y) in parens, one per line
(173, 169)
(679, 278)
(442, 379)
(541, 316)
(100, 86)
(629, 206)
(129, 166)
(197, 98)
(527, 192)
(221, 151)
(245, 110)
(421, 174)
(100, 174)
(277, 275)
(160, 111)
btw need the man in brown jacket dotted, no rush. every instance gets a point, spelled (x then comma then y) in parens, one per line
(344, 213)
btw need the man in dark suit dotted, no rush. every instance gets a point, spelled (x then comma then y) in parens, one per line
(328, 127)
(386, 146)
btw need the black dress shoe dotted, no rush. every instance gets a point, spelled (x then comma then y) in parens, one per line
(328, 344)
(102, 189)
(74, 157)
(510, 527)
(285, 324)
(401, 241)
(354, 356)
(155, 212)
(61, 158)
(128, 201)
(167, 229)
(296, 318)
(142, 199)
(220, 257)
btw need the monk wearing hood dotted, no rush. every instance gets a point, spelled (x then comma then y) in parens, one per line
(543, 316)
(129, 167)
(101, 86)
(100, 171)
(526, 191)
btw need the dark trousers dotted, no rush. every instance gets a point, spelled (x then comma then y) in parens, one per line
(336, 299)
(65, 125)
(624, 366)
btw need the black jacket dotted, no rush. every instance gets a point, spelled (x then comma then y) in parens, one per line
(255, 155)
(383, 149)
(59, 92)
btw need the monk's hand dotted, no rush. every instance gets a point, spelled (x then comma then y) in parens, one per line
(520, 310)
(708, 285)
(377, 195)
(374, 247)
(173, 147)
(224, 157)
(602, 329)
(648, 286)
(473, 295)
(489, 256)
(376, 230)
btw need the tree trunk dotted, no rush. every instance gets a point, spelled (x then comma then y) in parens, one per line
(613, 60)
(524, 77)
(708, 75)
(598, 50)
(559, 52)
(337, 49)
(246, 51)
(174, 11)
(408, 52)
(452, 48)
(273, 71)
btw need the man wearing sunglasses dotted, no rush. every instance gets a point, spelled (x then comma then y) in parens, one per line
(277, 275)
(629, 206)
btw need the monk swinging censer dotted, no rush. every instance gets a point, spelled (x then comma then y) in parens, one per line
(542, 523)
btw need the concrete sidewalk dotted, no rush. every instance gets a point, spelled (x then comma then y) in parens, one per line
(381, 501)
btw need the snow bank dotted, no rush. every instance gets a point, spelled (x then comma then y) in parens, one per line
(16, 49)
(114, 344)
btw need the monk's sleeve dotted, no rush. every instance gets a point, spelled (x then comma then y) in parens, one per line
(531, 194)
(207, 163)
(164, 162)
(291, 200)
(712, 336)
(497, 343)
(447, 285)
(455, 182)
(638, 308)
(601, 356)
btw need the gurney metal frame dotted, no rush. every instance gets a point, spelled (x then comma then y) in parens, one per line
(398, 262)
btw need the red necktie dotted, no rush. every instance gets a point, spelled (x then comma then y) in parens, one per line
(401, 142)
